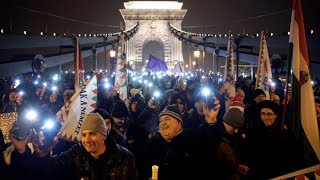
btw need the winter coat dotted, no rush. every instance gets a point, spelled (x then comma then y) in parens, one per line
(182, 158)
(272, 153)
(76, 163)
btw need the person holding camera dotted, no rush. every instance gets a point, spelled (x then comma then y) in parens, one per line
(96, 157)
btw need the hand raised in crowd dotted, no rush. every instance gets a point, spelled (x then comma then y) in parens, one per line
(152, 104)
(39, 147)
(19, 99)
(20, 145)
(38, 91)
(211, 114)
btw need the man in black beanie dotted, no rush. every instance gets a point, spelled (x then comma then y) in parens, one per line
(226, 162)
(119, 114)
(121, 124)
(252, 111)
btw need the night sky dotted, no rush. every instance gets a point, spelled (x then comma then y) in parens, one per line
(208, 16)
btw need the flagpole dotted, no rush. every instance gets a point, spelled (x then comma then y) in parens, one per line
(76, 67)
(287, 90)
(259, 63)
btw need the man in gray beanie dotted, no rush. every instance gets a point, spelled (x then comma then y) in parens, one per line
(93, 134)
(233, 120)
(170, 123)
(227, 166)
(96, 157)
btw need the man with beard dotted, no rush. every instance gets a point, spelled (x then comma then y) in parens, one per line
(121, 123)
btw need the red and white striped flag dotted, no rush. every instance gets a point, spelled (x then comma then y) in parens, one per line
(264, 74)
(78, 75)
(312, 173)
(121, 71)
(302, 119)
(229, 74)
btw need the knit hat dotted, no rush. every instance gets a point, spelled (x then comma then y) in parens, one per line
(270, 105)
(234, 117)
(236, 102)
(173, 111)
(119, 110)
(258, 92)
(94, 122)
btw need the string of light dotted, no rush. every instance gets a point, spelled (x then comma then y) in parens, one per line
(239, 20)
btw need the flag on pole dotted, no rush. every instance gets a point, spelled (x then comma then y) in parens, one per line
(155, 64)
(78, 75)
(121, 71)
(302, 119)
(72, 114)
(264, 74)
(229, 74)
(177, 69)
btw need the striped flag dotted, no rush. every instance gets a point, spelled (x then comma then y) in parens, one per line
(121, 71)
(229, 74)
(302, 119)
(264, 74)
(312, 173)
(79, 76)
(72, 114)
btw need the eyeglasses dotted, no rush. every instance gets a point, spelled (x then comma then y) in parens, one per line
(267, 114)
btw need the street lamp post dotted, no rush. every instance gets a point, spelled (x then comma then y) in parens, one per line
(196, 54)
(112, 56)
(112, 53)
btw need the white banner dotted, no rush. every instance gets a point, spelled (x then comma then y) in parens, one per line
(72, 114)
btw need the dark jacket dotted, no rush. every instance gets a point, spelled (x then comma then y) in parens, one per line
(252, 113)
(225, 157)
(76, 163)
(182, 158)
(272, 153)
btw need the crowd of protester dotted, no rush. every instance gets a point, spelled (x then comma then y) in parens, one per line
(187, 133)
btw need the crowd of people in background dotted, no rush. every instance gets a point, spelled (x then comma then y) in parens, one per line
(166, 121)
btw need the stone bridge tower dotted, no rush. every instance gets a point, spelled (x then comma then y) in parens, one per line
(153, 36)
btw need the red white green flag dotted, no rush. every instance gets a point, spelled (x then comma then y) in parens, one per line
(78, 75)
(121, 71)
(264, 74)
(302, 119)
(72, 114)
(229, 73)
